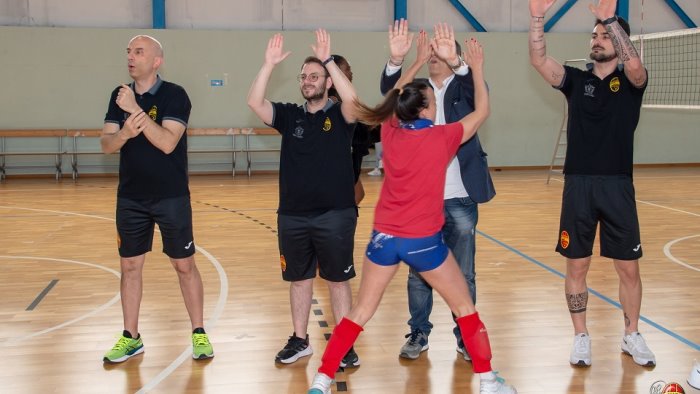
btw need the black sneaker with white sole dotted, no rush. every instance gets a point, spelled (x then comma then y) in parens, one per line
(295, 349)
(351, 359)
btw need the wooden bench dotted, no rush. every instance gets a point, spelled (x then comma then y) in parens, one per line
(76, 136)
(249, 150)
(58, 152)
(229, 148)
(78, 149)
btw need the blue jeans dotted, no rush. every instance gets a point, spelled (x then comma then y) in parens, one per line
(459, 231)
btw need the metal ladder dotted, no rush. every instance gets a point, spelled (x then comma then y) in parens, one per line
(559, 155)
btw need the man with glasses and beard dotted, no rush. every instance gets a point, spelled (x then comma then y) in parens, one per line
(317, 214)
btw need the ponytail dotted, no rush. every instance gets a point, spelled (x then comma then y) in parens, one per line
(406, 103)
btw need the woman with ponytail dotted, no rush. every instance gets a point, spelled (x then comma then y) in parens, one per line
(409, 214)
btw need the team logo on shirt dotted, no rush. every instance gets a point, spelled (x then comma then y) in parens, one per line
(564, 239)
(589, 90)
(283, 263)
(615, 85)
(153, 112)
(327, 124)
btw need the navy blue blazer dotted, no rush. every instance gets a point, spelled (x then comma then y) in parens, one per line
(459, 102)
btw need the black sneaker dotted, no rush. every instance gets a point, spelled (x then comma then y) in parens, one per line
(351, 360)
(295, 349)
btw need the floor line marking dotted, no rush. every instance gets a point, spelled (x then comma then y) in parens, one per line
(41, 295)
(592, 291)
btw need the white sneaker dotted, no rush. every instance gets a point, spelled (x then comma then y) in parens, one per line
(694, 377)
(496, 386)
(581, 350)
(464, 353)
(634, 345)
(321, 384)
(375, 172)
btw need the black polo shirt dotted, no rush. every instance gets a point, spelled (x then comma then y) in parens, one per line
(603, 115)
(144, 170)
(315, 161)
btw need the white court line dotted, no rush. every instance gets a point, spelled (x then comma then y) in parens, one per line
(669, 208)
(667, 252)
(218, 310)
(77, 319)
(187, 353)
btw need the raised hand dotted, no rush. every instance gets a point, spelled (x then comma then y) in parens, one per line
(475, 54)
(322, 47)
(443, 43)
(274, 54)
(423, 51)
(399, 41)
(604, 10)
(539, 8)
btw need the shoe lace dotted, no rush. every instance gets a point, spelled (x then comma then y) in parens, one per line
(294, 342)
(497, 380)
(121, 344)
(413, 336)
(200, 339)
(637, 342)
(581, 344)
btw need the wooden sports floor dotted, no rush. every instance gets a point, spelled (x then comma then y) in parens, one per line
(57, 239)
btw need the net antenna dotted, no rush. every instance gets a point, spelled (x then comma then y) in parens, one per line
(672, 60)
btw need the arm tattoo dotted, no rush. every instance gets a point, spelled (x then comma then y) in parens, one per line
(537, 46)
(621, 42)
(577, 302)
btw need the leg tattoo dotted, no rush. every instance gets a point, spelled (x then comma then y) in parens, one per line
(577, 302)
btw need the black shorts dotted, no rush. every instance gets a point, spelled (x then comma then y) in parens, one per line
(589, 199)
(136, 220)
(326, 240)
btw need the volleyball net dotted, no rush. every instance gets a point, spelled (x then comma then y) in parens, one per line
(672, 60)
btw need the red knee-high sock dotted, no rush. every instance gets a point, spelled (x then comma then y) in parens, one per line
(342, 339)
(476, 339)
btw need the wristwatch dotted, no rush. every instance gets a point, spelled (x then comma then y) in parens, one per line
(330, 59)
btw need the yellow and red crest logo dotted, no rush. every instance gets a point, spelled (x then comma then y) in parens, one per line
(283, 263)
(615, 85)
(153, 112)
(564, 239)
(327, 124)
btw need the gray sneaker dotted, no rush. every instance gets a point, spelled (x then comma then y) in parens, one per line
(634, 345)
(464, 353)
(417, 343)
(581, 350)
(461, 349)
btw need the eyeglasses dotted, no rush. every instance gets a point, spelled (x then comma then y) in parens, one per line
(311, 77)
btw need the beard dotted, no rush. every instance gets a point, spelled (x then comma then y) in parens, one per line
(601, 57)
(316, 94)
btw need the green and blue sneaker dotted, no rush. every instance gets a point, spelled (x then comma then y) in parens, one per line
(201, 347)
(125, 348)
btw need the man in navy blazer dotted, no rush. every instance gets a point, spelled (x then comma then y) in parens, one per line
(468, 180)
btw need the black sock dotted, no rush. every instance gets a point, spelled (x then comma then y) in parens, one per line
(198, 330)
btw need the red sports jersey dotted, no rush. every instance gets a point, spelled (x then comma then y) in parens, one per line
(415, 161)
